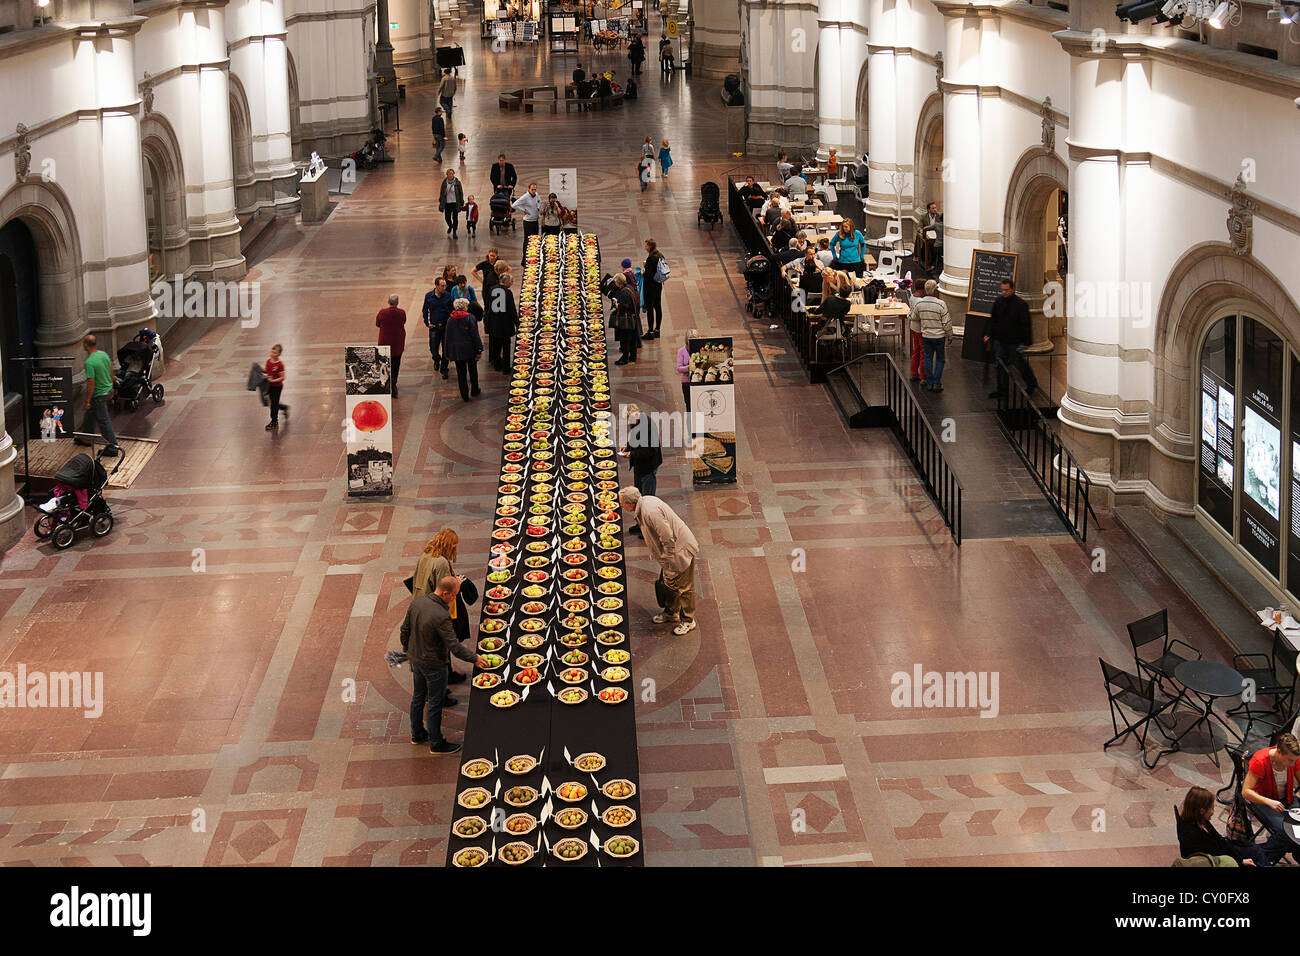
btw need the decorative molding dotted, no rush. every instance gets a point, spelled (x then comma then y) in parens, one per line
(1241, 218)
(22, 155)
(1043, 18)
(938, 72)
(146, 92)
(1049, 125)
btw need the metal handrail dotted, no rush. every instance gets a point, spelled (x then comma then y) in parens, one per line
(920, 440)
(1057, 472)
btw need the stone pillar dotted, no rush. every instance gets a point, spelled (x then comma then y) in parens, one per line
(259, 58)
(963, 214)
(715, 38)
(332, 51)
(841, 52)
(412, 55)
(13, 521)
(385, 72)
(882, 76)
(780, 86)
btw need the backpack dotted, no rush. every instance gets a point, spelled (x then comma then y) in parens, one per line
(661, 271)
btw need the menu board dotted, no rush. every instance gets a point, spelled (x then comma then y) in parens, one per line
(368, 427)
(1261, 444)
(987, 271)
(713, 410)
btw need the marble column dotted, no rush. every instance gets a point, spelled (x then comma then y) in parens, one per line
(385, 73)
(715, 38)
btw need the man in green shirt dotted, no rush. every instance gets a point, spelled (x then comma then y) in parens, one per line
(99, 383)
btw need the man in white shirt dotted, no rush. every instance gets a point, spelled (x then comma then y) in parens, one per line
(531, 205)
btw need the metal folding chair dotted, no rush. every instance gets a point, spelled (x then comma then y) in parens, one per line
(1149, 630)
(1127, 691)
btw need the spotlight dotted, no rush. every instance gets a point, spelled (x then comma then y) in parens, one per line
(1173, 9)
(1138, 10)
(1290, 13)
(1220, 14)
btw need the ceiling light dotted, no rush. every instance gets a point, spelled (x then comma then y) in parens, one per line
(1219, 15)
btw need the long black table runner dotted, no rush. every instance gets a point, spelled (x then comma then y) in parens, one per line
(555, 603)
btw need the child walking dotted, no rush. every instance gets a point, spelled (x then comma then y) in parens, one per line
(643, 171)
(665, 158)
(461, 142)
(471, 217)
(274, 386)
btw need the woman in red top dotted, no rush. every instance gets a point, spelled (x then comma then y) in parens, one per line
(274, 386)
(1269, 789)
(391, 323)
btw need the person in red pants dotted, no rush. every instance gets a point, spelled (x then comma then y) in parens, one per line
(914, 331)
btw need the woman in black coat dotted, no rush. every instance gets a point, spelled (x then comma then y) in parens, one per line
(1196, 833)
(463, 346)
(625, 321)
(501, 322)
(653, 290)
(636, 53)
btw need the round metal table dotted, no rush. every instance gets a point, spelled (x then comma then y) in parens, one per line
(1195, 732)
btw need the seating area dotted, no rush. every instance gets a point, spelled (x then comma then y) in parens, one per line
(1173, 700)
(573, 101)
(530, 99)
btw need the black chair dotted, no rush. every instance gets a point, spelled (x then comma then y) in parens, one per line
(1131, 692)
(1273, 675)
(1149, 630)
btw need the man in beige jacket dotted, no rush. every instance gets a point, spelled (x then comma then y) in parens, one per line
(674, 547)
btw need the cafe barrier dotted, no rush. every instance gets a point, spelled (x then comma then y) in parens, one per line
(1058, 474)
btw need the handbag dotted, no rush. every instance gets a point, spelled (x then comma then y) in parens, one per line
(410, 584)
(662, 271)
(662, 592)
(468, 591)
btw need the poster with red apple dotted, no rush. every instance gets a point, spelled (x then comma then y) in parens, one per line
(368, 426)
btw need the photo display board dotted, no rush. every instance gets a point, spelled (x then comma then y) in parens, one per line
(1218, 423)
(1293, 532)
(1261, 443)
(713, 410)
(368, 426)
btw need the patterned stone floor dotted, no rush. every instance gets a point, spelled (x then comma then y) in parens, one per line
(241, 610)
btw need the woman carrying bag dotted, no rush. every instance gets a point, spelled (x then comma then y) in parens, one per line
(435, 564)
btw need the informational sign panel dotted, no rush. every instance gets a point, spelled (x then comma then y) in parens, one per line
(987, 270)
(368, 427)
(671, 27)
(712, 422)
(1260, 459)
(51, 411)
(564, 183)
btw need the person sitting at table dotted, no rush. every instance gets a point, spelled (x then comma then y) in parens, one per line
(783, 166)
(1196, 833)
(1269, 790)
(849, 245)
(832, 164)
(836, 287)
(752, 193)
(809, 271)
(824, 254)
(790, 253)
(931, 222)
(796, 185)
(801, 237)
(786, 230)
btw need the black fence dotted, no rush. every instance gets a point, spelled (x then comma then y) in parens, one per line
(904, 415)
(1058, 474)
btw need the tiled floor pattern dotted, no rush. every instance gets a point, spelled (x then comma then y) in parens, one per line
(241, 610)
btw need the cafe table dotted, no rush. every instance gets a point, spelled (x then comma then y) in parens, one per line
(867, 319)
(1289, 626)
(1195, 731)
(817, 219)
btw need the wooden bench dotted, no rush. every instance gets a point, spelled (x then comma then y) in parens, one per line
(512, 101)
(543, 102)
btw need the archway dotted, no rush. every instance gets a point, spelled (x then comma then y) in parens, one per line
(241, 151)
(928, 161)
(860, 111)
(295, 121)
(1037, 182)
(20, 305)
(166, 217)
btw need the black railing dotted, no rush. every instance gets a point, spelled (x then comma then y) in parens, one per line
(903, 413)
(1061, 478)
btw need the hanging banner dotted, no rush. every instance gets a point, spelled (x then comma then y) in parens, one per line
(368, 427)
(713, 410)
(51, 399)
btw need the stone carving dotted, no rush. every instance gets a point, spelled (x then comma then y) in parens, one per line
(1241, 218)
(938, 72)
(1049, 126)
(146, 92)
(22, 155)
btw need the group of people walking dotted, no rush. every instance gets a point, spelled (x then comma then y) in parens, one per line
(645, 166)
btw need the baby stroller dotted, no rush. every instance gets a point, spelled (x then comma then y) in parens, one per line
(709, 210)
(500, 215)
(758, 286)
(81, 477)
(134, 380)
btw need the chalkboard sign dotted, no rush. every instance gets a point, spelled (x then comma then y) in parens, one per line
(987, 270)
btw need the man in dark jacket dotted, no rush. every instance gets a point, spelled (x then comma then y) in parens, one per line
(429, 640)
(437, 306)
(1009, 331)
(503, 175)
(450, 198)
(643, 453)
(501, 321)
(464, 346)
(391, 323)
(439, 134)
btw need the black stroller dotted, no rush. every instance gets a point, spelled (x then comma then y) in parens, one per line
(63, 517)
(710, 211)
(500, 215)
(758, 286)
(134, 380)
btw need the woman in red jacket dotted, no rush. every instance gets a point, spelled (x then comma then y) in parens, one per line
(391, 323)
(1269, 789)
